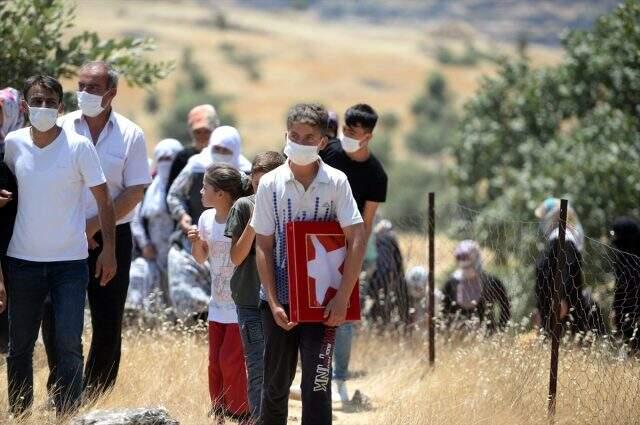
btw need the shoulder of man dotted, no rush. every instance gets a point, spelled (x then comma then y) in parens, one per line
(335, 175)
(127, 127)
(271, 178)
(17, 136)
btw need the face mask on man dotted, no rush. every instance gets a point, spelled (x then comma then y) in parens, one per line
(43, 119)
(90, 104)
(349, 144)
(300, 154)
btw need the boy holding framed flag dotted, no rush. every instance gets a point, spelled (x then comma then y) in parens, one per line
(302, 189)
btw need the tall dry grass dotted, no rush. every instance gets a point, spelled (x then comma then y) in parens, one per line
(499, 380)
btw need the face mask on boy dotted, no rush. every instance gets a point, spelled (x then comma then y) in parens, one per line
(349, 144)
(300, 154)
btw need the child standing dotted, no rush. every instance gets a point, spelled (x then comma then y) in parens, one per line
(222, 186)
(245, 283)
(302, 189)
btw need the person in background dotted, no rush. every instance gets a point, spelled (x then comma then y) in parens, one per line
(47, 255)
(625, 237)
(11, 118)
(579, 313)
(151, 227)
(202, 120)
(471, 295)
(352, 155)
(123, 156)
(222, 186)
(386, 291)
(245, 282)
(417, 280)
(189, 282)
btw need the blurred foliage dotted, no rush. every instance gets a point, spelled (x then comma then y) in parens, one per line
(36, 39)
(571, 131)
(192, 90)
(436, 121)
(247, 61)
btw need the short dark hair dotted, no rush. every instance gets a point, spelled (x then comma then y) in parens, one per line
(267, 161)
(312, 114)
(44, 81)
(361, 115)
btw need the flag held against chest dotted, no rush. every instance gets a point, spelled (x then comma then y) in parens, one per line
(316, 251)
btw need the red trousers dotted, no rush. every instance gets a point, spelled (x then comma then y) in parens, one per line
(227, 373)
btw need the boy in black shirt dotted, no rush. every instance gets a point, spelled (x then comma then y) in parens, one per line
(351, 155)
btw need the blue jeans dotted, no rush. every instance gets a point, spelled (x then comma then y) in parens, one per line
(29, 283)
(342, 353)
(250, 323)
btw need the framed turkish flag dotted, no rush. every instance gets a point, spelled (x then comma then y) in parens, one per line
(316, 251)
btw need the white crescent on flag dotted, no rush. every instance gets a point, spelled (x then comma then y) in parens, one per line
(325, 268)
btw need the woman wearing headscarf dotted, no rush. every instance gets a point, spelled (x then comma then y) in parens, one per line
(625, 237)
(189, 282)
(578, 311)
(11, 117)
(471, 295)
(151, 227)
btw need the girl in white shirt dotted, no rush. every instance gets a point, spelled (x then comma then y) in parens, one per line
(222, 186)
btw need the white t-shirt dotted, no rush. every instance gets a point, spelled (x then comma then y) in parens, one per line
(50, 225)
(222, 309)
(122, 152)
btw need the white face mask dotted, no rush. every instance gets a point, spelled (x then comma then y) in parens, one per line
(90, 104)
(349, 145)
(221, 158)
(43, 119)
(301, 154)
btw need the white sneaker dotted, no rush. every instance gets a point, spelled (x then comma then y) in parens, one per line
(341, 389)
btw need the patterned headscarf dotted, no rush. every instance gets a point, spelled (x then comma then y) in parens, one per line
(12, 118)
(549, 212)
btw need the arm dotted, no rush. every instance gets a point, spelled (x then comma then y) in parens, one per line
(106, 263)
(122, 205)
(3, 293)
(336, 310)
(264, 263)
(177, 197)
(368, 216)
(240, 247)
(199, 248)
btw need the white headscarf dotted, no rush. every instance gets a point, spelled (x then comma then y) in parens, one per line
(155, 198)
(227, 137)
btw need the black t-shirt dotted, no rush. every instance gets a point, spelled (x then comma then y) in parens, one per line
(368, 179)
(9, 211)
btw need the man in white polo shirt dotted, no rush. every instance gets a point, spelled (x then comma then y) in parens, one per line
(303, 189)
(47, 255)
(121, 147)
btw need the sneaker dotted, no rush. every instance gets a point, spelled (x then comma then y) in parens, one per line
(341, 389)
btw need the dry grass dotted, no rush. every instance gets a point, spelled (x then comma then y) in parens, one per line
(492, 381)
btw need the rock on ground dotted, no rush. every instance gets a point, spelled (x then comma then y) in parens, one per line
(153, 416)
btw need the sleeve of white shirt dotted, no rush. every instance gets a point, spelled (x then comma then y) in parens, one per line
(136, 166)
(346, 207)
(202, 223)
(89, 164)
(263, 220)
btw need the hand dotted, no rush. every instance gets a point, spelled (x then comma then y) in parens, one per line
(149, 252)
(92, 243)
(5, 197)
(106, 266)
(336, 311)
(92, 227)
(281, 318)
(3, 297)
(193, 235)
(185, 223)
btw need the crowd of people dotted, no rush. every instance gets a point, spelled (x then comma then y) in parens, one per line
(198, 233)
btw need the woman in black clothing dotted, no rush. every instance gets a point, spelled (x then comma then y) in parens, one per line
(625, 237)
(8, 211)
(471, 295)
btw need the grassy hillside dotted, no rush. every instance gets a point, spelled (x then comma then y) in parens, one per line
(300, 57)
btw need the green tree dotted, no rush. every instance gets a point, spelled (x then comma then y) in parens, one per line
(436, 120)
(571, 130)
(35, 39)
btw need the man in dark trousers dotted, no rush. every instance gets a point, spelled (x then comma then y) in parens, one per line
(351, 155)
(121, 148)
